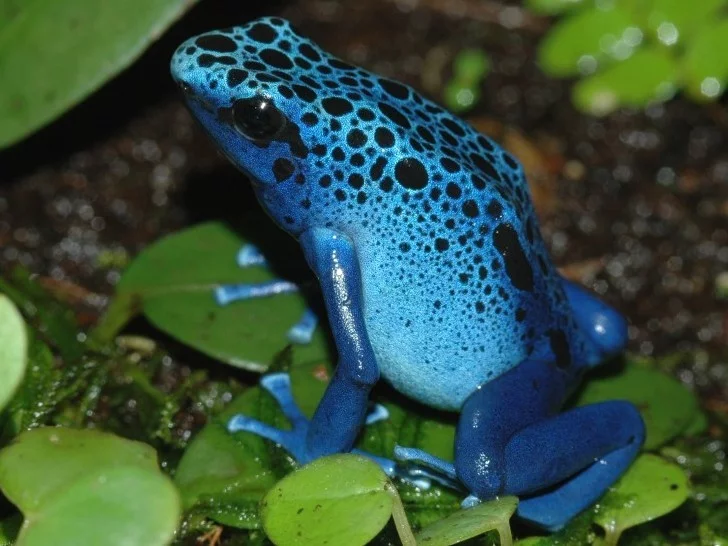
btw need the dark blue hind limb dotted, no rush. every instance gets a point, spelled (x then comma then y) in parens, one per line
(343, 408)
(512, 441)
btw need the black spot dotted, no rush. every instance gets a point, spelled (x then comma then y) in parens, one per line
(356, 138)
(470, 209)
(495, 209)
(275, 58)
(397, 90)
(411, 174)
(384, 137)
(206, 60)
(454, 127)
(356, 181)
(235, 77)
(338, 154)
(485, 166)
(387, 184)
(478, 182)
(449, 165)
(479, 307)
(437, 304)
(378, 168)
(394, 115)
(190, 50)
(340, 195)
(404, 247)
(361, 197)
(425, 133)
(441, 244)
(510, 161)
(485, 143)
(304, 93)
(357, 160)
(254, 65)
(520, 315)
(336, 106)
(453, 190)
(560, 348)
(365, 114)
(325, 181)
(341, 65)
(217, 43)
(282, 169)
(262, 33)
(309, 52)
(518, 268)
(319, 150)
(309, 119)
(482, 273)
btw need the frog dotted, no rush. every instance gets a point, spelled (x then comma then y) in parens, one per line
(435, 276)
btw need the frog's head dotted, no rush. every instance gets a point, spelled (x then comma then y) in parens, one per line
(231, 81)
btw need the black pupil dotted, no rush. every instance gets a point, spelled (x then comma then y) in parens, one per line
(257, 118)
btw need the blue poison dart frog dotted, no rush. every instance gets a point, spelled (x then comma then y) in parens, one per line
(423, 237)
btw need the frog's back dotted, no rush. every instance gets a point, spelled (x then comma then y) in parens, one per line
(458, 286)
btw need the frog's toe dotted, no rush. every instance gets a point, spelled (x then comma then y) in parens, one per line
(376, 414)
(422, 468)
(301, 333)
(243, 423)
(249, 255)
(230, 293)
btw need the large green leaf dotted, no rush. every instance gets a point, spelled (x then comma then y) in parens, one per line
(173, 281)
(705, 63)
(650, 75)
(54, 53)
(13, 349)
(87, 487)
(581, 42)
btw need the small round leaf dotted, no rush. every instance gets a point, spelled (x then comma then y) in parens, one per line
(13, 350)
(341, 499)
(652, 487)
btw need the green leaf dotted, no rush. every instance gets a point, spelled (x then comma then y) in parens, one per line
(13, 350)
(53, 54)
(650, 75)
(705, 63)
(87, 487)
(552, 7)
(578, 44)
(172, 282)
(472, 522)
(224, 476)
(650, 488)
(341, 499)
(673, 22)
(667, 407)
(52, 320)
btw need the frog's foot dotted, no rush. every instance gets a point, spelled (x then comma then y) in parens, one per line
(294, 440)
(249, 255)
(301, 333)
(422, 468)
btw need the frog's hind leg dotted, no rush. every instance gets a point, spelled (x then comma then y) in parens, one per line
(512, 441)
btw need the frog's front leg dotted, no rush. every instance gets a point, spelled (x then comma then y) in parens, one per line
(343, 408)
(511, 440)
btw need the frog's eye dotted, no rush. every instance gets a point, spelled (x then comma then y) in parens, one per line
(258, 119)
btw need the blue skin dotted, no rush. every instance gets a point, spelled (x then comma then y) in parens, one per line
(435, 276)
